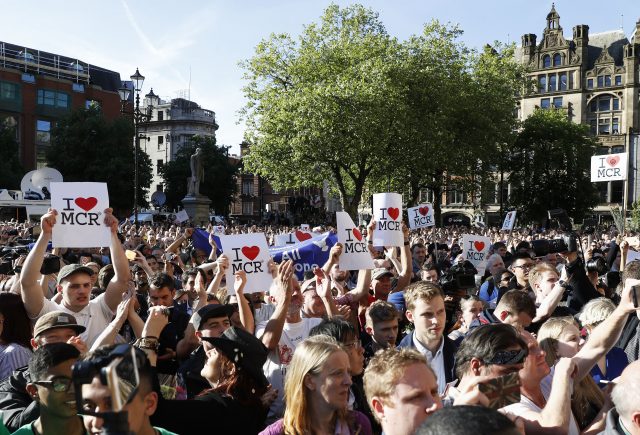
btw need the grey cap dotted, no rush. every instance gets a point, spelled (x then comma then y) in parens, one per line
(70, 269)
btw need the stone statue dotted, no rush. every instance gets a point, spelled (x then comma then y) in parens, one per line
(197, 173)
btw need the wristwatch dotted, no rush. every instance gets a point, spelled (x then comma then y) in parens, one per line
(150, 343)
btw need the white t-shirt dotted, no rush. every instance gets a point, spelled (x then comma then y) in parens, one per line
(279, 359)
(95, 317)
(527, 405)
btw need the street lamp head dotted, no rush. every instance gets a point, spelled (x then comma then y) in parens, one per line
(124, 93)
(138, 80)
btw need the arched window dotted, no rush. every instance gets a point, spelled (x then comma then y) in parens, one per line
(546, 61)
(557, 59)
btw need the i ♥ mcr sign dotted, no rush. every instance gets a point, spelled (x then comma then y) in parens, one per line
(476, 250)
(355, 254)
(609, 167)
(387, 213)
(421, 216)
(293, 238)
(248, 253)
(80, 219)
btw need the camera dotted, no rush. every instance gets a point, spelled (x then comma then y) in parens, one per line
(460, 276)
(597, 264)
(567, 243)
(50, 264)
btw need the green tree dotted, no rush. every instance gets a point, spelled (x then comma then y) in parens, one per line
(549, 164)
(11, 171)
(324, 106)
(87, 147)
(219, 182)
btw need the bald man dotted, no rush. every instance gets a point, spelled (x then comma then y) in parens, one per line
(624, 418)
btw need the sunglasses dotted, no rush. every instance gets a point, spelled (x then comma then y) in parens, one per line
(508, 357)
(59, 384)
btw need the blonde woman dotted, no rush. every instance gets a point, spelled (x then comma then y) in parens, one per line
(316, 393)
(559, 337)
(613, 363)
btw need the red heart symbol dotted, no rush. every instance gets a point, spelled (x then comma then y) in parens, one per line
(612, 161)
(357, 234)
(302, 236)
(424, 210)
(86, 203)
(479, 246)
(393, 213)
(251, 252)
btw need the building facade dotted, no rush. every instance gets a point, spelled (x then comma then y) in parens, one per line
(595, 78)
(38, 88)
(172, 125)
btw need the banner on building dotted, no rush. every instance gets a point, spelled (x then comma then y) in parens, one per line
(609, 167)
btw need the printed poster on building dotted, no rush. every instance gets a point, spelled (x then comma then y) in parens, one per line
(609, 167)
(80, 219)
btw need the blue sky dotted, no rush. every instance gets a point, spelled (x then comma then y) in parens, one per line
(171, 41)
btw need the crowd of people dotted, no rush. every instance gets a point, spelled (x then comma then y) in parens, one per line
(147, 336)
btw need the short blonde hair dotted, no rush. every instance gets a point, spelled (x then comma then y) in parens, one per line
(595, 311)
(308, 359)
(422, 290)
(535, 274)
(385, 370)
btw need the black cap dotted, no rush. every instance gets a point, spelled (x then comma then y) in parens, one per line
(211, 311)
(244, 350)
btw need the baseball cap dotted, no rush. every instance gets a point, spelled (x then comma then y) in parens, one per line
(380, 272)
(57, 319)
(210, 311)
(71, 269)
(244, 350)
(309, 284)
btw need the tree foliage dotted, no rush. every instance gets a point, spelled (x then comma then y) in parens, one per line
(348, 103)
(87, 147)
(11, 171)
(219, 182)
(550, 167)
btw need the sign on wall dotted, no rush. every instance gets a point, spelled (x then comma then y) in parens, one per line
(609, 167)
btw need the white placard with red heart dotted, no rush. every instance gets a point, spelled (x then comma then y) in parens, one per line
(509, 221)
(250, 253)
(355, 254)
(609, 167)
(293, 238)
(421, 216)
(219, 229)
(80, 219)
(387, 212)
(476, 250)
(305, 227)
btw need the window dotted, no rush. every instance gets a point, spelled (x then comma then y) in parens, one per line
(593, 105)
(43, 140)
(607, 80)
(557, 102)
(160, 115)
(92, 104)
(542, 83)
(616, 104)
(589, 83)
(557, 59)
(603, 126)
(546, 61)
(247, 208)
(9, 91)
(53, 98)
(604, 104)
(593, 126)
(563, 81)
(618, 80)
(159, 166)
(160, 140)
(553, 79)
(247, 187)
(77, 87)
(615, 126)
(545, 103)
(600, 81)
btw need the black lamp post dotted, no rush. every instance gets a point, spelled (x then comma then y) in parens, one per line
(138, 117)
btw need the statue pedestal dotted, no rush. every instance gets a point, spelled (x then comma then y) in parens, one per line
(197, 207)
